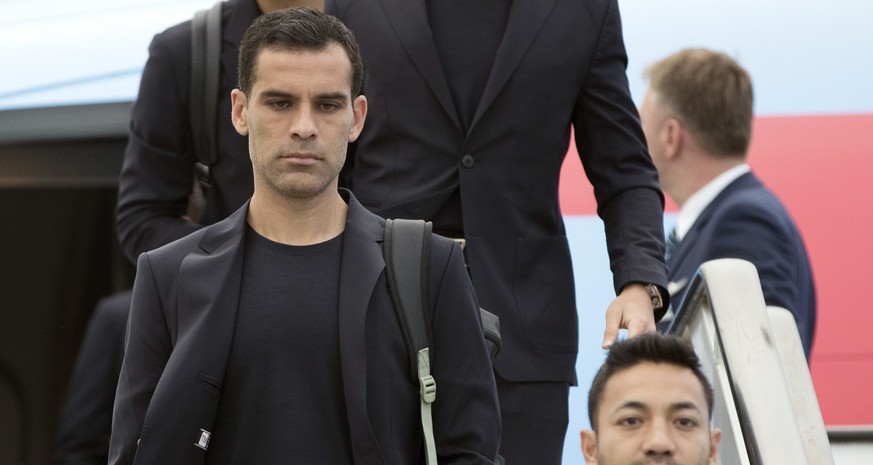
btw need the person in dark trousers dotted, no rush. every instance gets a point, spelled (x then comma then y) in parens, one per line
(156, 182)
(650, 402)
(473, 104)
(697, 115)
(271, 337)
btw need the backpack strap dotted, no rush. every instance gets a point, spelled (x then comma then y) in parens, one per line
(407, 258)
(203, 91)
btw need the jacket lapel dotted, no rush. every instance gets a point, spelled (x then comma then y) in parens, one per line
(361, 266)
(209, 282)
(209, 285)
(410, 23)
(686, 245)
(525, 21)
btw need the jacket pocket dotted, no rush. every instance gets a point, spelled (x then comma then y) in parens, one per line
(544, 293)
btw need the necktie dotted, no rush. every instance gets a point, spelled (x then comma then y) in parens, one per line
(672, 241)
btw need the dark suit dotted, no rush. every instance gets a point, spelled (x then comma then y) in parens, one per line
(560, 63)
(182, 323)
(157, 173)
(747, 221)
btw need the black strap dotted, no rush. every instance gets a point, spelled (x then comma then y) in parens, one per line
(407, 255)
(203, 92)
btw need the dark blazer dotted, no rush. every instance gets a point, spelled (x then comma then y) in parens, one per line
(158, 168)
(747, 221)
(182, 323)
(561, 63)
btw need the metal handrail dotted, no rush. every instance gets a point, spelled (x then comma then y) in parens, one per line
(765, 402)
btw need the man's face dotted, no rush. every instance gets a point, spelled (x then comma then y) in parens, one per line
(652, 414)
(299, 118)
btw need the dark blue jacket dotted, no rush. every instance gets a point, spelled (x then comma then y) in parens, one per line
(747, 221)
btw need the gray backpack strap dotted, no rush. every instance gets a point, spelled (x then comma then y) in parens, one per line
(407, 257)
(203, 92)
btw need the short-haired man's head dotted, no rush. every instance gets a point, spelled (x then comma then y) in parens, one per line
(297, 29)
(711, 94)
(652, 348)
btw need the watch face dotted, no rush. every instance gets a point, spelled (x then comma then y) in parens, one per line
(655, 294)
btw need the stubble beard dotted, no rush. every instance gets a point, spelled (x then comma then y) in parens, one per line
(298, 183)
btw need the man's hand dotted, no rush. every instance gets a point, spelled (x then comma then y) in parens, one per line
(631, 310)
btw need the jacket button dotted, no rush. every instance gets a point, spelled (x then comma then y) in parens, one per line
(467, 161)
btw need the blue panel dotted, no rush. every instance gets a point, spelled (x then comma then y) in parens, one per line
(593, 294)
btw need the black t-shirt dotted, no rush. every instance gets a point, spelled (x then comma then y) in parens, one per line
(282, 399)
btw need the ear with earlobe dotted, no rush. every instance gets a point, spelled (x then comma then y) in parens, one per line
(238, 111)
(714, 438)
(675, 134)
(589, 446)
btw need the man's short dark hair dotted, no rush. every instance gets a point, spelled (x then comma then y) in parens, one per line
(652, 348)
(297, 29)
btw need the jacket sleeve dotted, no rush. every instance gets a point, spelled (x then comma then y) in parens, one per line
(613, 151)
(466, 414)
(86, 420)
(147, 350)
(157, 171)
(750, 231)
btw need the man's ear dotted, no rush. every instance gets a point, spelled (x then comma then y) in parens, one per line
(238, 110)
(714, 438)
(675, 135)
(359, 107)
(589, 446)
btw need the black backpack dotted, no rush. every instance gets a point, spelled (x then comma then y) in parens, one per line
(202, 102)
(407, 257)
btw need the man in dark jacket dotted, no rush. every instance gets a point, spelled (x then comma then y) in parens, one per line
(697, 115)
(271, 337)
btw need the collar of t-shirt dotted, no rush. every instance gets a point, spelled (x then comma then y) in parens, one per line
(703, 197)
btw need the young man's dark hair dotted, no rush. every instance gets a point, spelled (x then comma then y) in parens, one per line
(653, 348)
(293, 30)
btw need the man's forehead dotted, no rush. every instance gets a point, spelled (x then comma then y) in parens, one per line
(654, 384)
(332, 48)
(329, 65)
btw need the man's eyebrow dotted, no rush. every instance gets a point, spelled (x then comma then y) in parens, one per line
(273, 93)
(332, 96)
(685, 406)
(270, 93)
(674, 407)
(632, 404)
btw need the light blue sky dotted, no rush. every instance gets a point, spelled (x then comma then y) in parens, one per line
(806, 57)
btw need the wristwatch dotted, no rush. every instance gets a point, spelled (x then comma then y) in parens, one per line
(655, 295)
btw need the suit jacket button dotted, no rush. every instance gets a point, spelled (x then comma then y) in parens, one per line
(467, 161)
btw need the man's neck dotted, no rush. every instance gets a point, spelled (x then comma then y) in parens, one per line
(298, 221)
(694, 206)
(697, 177)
